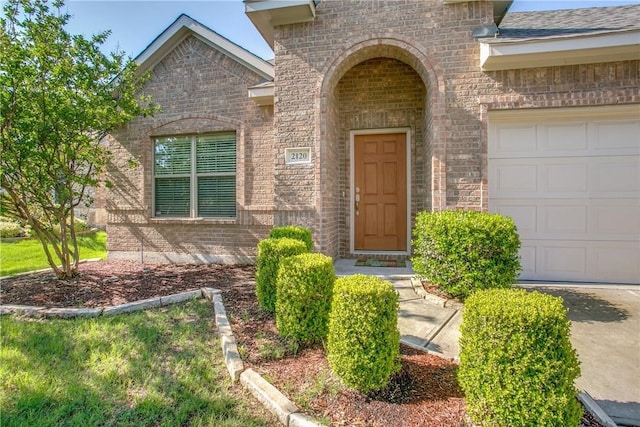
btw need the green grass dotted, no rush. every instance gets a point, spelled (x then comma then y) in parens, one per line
(28, 255)
(159, 367)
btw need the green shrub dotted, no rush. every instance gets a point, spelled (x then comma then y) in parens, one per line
(9, 228)
(363, 342)
(270, 252)
(78, 225)
(462, 251)
(517, 365)
(303, 298)
(293, 232)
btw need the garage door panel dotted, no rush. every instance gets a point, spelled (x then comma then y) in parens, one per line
(565, 138)
(564, 220)
(570, 179)
(620, 135)
(516, 178)
(564, 259)
(577, 219)
(570, 261)
(615, 177)
(618, 221)
(512, 140)
(607, 261)
(564, 177)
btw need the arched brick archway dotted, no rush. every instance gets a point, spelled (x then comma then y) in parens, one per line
(429, 180)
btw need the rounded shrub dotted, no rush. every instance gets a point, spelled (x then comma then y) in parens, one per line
(517, 365)
(270, 252)
(462, 251)
(303, 298)
(293, 232)
(363, 342)
(9, 227)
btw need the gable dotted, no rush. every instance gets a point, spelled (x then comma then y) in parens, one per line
(185, 26)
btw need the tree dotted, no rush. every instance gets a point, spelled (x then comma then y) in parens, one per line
(59, 97)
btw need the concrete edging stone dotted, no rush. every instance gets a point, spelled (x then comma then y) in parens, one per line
(595, 409)
(434, 299)
(272, 399)
(268, 395)
(70, 312)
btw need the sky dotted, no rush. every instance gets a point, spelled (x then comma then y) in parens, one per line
(134, 24)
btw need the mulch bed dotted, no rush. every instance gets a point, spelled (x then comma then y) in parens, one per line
(424, 393)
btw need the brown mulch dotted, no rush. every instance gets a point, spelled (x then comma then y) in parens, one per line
(424, 393)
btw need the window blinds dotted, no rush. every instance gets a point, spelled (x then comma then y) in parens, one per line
(206, 163)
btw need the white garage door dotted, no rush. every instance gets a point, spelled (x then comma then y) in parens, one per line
(570, 178)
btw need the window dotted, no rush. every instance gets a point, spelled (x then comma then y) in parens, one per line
(195, 176)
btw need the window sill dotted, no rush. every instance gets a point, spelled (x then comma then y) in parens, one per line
(168, 220)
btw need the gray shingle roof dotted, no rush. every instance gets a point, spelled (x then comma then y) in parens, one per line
(518, 26)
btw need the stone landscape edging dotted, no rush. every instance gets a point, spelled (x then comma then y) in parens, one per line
(271, 398)
(434, 299)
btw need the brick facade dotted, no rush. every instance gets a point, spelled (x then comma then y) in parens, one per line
(199, 90)
(358, 65)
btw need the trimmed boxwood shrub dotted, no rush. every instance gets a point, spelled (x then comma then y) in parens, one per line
(462, 251)
(303, 298)
(270, 252)
(517, 365)
(363, 343)
(293, 232)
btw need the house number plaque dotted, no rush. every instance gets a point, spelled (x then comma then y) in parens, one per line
(294, 156)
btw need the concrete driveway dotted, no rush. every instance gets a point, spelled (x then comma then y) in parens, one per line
(605, 331)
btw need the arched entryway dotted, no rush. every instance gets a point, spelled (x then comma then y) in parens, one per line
(379, 112)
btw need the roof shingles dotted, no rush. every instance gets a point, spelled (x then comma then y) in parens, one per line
(519, 26)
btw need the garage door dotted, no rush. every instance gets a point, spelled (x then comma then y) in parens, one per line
(570, 178)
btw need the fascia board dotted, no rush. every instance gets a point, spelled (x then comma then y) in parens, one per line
(265, 14)
(621, 46)
(185, 26)
(262, 94)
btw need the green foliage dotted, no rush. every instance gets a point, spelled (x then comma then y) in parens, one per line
(303, 299)
(462, 251)
(154, 368)
(78, 225)
(270, 252)
(59, 97)
(517, 365)
(9, 227)
(363, 342)
(293, 232)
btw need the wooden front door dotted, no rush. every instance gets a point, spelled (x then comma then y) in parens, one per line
(380, 192)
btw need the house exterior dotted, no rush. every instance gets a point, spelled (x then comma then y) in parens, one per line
(375, 110)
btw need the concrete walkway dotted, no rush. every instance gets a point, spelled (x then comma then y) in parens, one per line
(605, 328)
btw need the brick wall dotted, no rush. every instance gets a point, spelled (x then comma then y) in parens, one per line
(199, 90)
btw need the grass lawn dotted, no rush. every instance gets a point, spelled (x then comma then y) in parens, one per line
(27, 255)
(158, 367)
